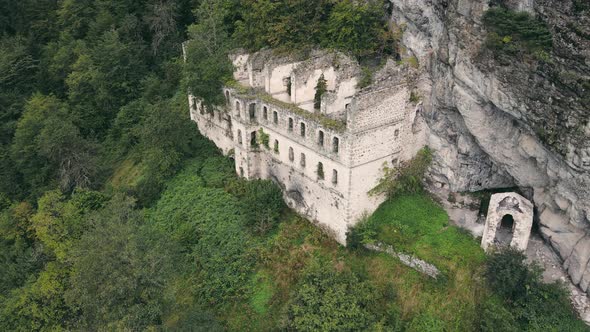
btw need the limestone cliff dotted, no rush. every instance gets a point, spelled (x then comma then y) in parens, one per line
(522, 124)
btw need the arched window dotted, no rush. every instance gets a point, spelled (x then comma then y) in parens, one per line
(321, 138)
(302, 127)
(227, 96)
(334, 176)
(275, 117)
(291, 154)
(265, 113)
(290, 124)
(320, 171)
(239, 136)
(396, 133)
(276, 146)
(238, 108)
(302, 160)
(252, 111)
(253, 142)
(335, 144)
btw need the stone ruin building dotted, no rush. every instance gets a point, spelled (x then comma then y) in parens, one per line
(326, 159)
(509, 221)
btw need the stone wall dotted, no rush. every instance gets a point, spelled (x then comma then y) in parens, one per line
(380, 128)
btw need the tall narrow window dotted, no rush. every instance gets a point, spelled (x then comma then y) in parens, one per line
(239, 136)
(396, 133)
(321, 138)
(335, 143)
(253, 142)
(291, 154)
(252, 111)
(290, 124)
(302, 160)
(275, 117)
(302, 127)
(320, 171)
(334, 176)
(227, 96)
(237, 108)
(265, 113)
(276, 146)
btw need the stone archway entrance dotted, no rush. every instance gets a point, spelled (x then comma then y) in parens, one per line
(509, 221)
(505, 231)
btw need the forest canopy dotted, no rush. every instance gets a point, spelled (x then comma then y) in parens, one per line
(116, 214)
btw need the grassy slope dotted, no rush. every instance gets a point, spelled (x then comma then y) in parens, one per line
(264, 283)
(447, 304)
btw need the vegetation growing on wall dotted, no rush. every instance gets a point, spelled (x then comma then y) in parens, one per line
(405, 177)
(516, 33)
(320, 88)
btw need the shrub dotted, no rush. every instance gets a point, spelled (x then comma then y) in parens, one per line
(362, 233)
(208, 223)
(512, 32)
(320, 89)
(533, 304)
(263, 138)
(509, 276)
(405, 178)
(263, 201)
(366, 78)
(327, 300)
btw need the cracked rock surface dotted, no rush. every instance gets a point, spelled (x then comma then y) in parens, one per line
(524, 124)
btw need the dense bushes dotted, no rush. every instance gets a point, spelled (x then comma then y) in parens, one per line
(327, 300)
(405, 178)
(513, 33)
(523, 301)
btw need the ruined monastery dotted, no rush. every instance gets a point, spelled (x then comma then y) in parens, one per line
(326, 157)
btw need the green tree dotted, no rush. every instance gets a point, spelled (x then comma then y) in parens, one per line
(207, 65)
(102, 80)
(356, 26)
(47, 145)
(17, 79)
(320, 88)
(120, 268)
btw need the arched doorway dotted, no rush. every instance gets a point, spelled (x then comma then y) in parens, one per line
(505, 231)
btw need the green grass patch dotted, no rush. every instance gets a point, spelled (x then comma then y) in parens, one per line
(417, 224)
(262, 292)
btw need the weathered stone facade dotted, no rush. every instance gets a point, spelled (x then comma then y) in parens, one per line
(325, 160)
(520, 212)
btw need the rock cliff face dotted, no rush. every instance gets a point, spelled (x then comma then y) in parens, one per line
(524, 124)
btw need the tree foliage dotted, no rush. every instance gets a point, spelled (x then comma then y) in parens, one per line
(529, 304)
(207, 64)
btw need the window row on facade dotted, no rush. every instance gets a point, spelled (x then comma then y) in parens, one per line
(302, 160)
(321, 140)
